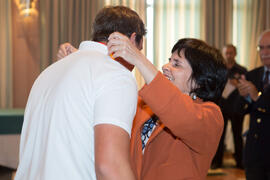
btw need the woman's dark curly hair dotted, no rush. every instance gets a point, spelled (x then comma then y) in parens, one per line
(208, 68)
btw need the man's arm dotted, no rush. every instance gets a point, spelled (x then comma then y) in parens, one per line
(112, 158)
(115, 107)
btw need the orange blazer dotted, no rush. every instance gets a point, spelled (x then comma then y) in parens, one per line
(185, 140)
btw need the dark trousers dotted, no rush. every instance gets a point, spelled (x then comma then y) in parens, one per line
(237, 126)
(257, 173)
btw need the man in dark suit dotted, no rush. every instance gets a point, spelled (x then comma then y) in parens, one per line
(232, 107)
(255, 87)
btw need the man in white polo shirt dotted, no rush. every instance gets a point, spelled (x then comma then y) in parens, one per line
(79, 112)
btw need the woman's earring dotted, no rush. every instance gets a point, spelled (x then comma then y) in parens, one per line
(194, 96)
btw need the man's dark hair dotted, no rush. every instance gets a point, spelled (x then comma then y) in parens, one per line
(208, 68)
(117, 18)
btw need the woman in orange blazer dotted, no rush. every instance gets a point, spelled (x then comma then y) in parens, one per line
(178, 125)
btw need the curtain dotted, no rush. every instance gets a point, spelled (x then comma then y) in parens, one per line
(173, 20)
(216, 22)
(64, 21)
(70, 21)
(5, 54)
(250, 19)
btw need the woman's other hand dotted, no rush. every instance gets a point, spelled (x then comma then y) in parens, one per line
(64, 50)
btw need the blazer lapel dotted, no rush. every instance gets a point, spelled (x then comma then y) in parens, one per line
(156, 132)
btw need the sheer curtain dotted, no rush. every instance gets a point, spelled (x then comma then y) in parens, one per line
(209, 20)
(5, 55)
(173, 20)
(250, 19)
(217, 22)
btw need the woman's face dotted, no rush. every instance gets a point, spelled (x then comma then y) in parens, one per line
(178, 71)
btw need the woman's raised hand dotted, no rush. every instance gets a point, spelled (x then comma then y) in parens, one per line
(120, 45)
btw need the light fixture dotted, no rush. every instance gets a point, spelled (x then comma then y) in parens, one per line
(26, 6)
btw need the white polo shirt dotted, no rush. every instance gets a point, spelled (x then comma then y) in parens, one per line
(66, 101)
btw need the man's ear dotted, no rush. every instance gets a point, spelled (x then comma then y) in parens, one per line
(133, 38)
(134, 42)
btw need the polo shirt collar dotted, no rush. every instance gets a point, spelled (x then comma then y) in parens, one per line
(90, 45)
